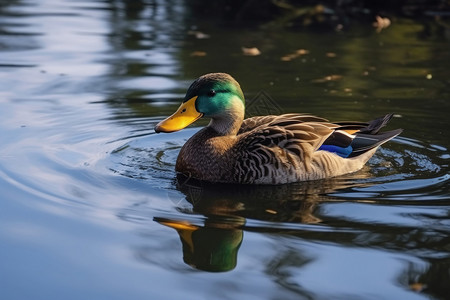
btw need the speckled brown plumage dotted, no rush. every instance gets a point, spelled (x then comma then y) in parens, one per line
(267, 150)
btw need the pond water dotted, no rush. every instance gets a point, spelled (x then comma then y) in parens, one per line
(90, 205)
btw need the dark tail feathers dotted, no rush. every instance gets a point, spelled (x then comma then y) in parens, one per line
(364, 142)
(372, 127)
(375, 125)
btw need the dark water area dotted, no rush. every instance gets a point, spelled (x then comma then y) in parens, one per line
(91, 207)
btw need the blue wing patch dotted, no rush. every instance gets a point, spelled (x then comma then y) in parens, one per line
(341, 151)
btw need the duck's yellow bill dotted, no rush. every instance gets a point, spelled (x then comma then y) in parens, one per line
(179, 225)
(184, 116)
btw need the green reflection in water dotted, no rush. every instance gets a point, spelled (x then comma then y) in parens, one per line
(212, 247)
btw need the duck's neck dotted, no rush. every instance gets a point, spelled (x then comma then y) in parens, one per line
(229, 122)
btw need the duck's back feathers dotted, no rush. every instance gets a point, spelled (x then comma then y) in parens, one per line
(293, 147)
(273, 153)
(277, 120)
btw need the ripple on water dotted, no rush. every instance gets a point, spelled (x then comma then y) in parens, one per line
(412, 171)
(151, 157)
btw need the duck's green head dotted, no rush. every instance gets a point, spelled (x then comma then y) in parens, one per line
(214, 95)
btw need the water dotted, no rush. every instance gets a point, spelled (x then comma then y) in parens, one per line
(91, 207)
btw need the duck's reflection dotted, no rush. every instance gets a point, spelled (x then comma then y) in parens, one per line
(294, 203)
(214, 244)
(212, 247)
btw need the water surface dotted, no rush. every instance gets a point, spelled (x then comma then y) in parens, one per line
(91, 207)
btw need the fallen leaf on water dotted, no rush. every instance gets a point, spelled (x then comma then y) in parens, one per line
(331, 54)
(302, 51)
(288, 57)
(294, 55)
(417, 286)
(198, 53)
(381, 23)
(251, 51)
(199, 34)
(328, 78)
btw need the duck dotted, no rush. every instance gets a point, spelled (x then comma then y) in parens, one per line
(271, 149)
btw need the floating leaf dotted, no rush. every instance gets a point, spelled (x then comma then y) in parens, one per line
(199, 34)
(328, 78)
(297, 53)
(381, 23)
(288, 57)
(302, 52)
(198, 53)
(417, 286)
(251, 51)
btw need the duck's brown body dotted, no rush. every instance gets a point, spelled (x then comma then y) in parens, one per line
(267, 150)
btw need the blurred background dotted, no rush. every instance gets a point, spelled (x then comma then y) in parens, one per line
(91, 207)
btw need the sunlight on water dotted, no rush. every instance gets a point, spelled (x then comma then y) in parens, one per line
(91, 204)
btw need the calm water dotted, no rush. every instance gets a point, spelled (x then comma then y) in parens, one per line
(90, 205)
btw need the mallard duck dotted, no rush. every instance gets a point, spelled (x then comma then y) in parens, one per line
(273, 149)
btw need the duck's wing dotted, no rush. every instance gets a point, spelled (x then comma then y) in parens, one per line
(281, 143)
(272, 120)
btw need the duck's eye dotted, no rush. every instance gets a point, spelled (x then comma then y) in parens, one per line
(211, 93)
